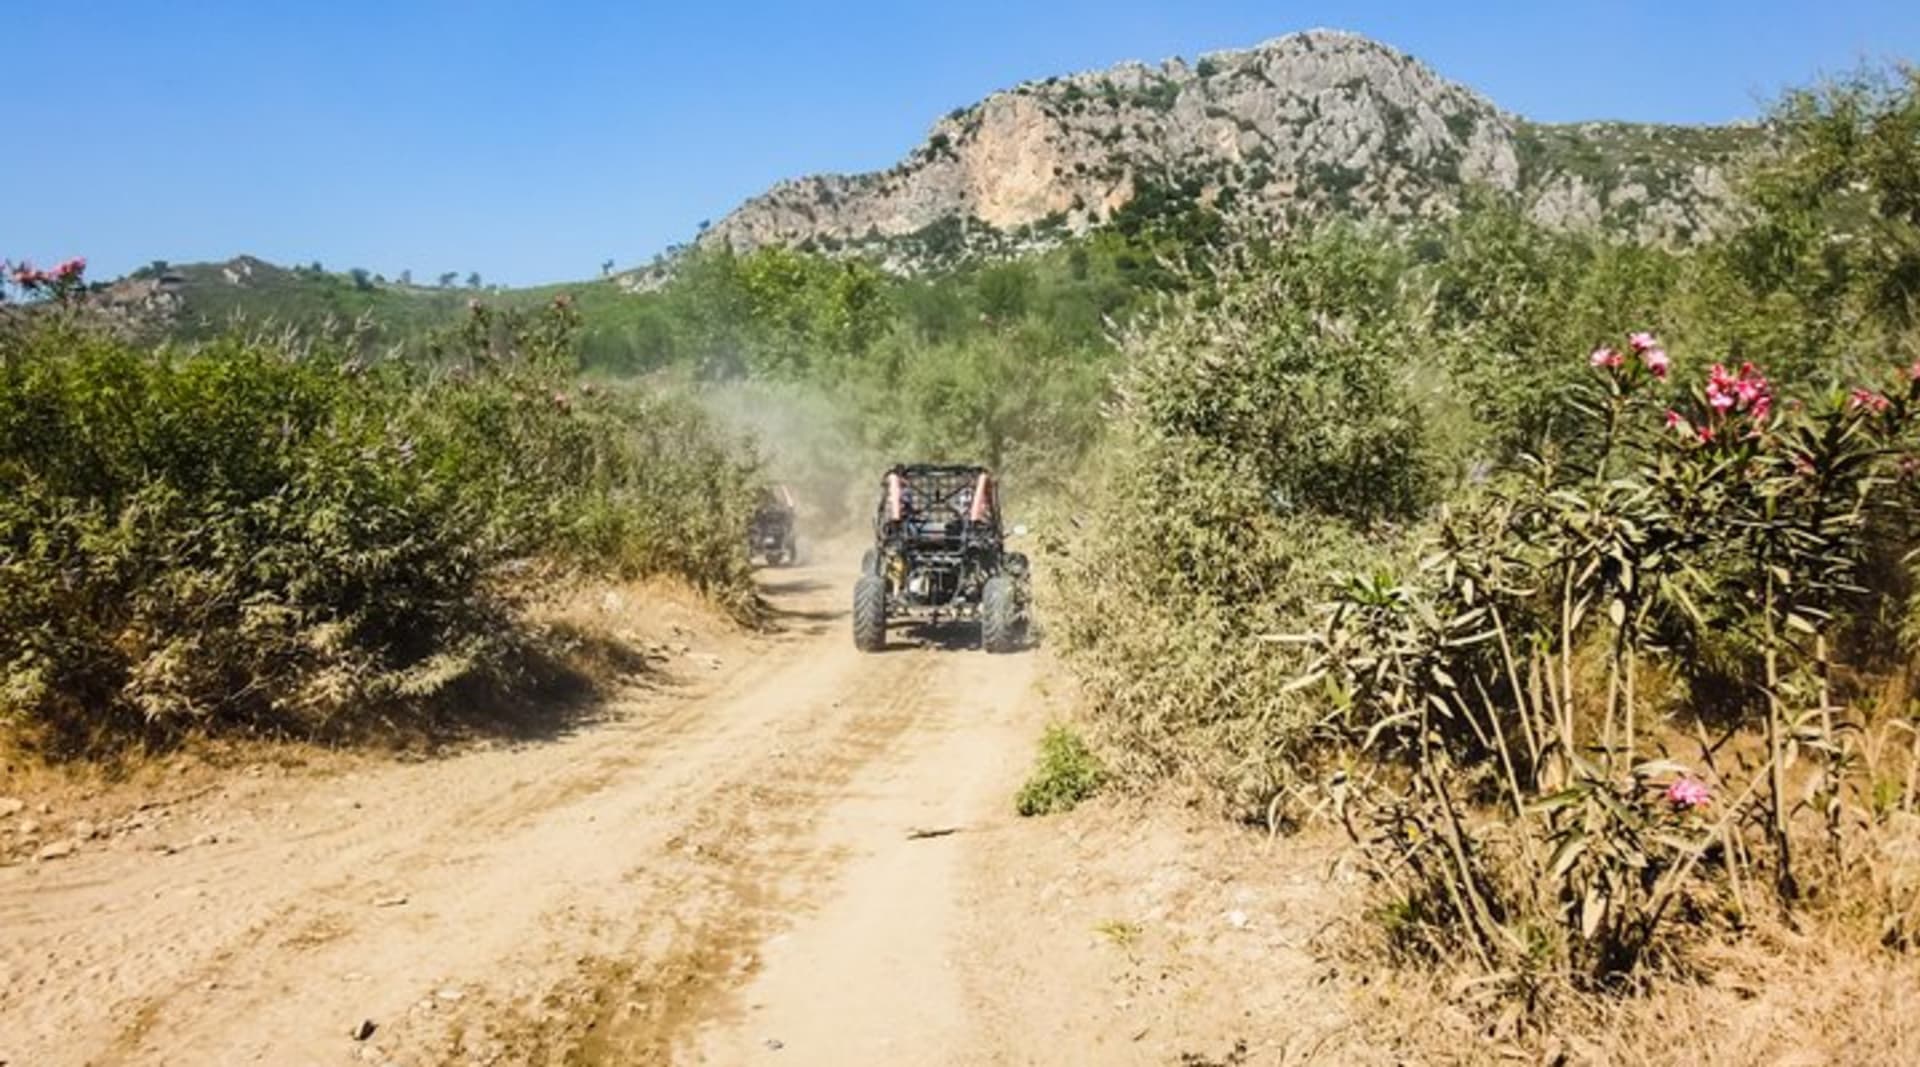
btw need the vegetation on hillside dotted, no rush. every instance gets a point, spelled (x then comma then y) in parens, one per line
(271, 534)
(1596, 644)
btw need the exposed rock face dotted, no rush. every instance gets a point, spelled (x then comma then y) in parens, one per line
(1314, 121)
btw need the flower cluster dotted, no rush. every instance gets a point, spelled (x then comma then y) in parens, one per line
(1869, 401)
(58, 282)
(1688, 793)
(1643, 345)
(1746, 393)
(1731, 398)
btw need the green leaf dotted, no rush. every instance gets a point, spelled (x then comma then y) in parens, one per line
(1567, 854)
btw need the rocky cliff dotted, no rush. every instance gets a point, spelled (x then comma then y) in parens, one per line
(1308, 123)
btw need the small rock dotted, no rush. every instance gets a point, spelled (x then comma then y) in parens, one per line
(29, 827)
(1237, 919)
(11, 806)
(775, 1044)
(393, 901)
(363, 1031)
(449, 994)
(206, 839)
(84, 830)
(57, 849)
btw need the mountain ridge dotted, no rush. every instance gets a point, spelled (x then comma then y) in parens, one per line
(1299, 125)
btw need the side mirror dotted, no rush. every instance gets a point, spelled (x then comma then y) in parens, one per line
(1020, 530)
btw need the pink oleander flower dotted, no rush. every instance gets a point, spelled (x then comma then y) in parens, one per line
(71, 269)
(1869, 400)
(1705, 433)
(1913, 372)
(1656, 361)
(1761, 409)
(1688, 793)
(1642, 341)
(1604, 357)
(1674, 421)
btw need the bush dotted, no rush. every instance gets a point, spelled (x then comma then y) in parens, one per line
(1265, 435)
(1512, 668)
(1065, 774)
(266, 535)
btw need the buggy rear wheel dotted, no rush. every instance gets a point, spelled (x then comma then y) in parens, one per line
(870, 613)
(999, 616)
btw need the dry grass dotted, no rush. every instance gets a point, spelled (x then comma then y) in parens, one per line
(1812, 998)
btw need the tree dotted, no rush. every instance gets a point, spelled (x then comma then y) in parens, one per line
(361, 280)
(406, 276)
(447, 279)
(606, 267)
(473, 279)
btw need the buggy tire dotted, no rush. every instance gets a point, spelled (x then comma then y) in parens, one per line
(1000, 622)
(870, 613)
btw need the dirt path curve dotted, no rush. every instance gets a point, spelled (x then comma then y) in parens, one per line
(796, 854)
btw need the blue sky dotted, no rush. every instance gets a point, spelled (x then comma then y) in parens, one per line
(529, 141)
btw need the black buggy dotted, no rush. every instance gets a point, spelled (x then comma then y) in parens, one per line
(770, 535)
(939, 554)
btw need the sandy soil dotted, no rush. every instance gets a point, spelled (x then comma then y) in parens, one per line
(786, 852)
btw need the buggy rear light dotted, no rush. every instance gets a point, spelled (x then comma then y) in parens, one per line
(981, 488)
(894, 490)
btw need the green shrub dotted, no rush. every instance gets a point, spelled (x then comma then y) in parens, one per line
(263, 534)
(1265, 435)
(1065, 774)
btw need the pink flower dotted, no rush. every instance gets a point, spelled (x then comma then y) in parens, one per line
(71, 269)
(1641, 342)
(1674, 421)
(1656, 361)
(1688, 793)
(1603, 357)
(1761, 408)
(1913, 372)
(1705, 433)
(1868, 399)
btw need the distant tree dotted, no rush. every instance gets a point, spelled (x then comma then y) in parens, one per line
(406, 276)
(606, 267)
(704, 223)
(473, 279)
(158, 266)
(361, 279)
(316, 268)
(447, 279)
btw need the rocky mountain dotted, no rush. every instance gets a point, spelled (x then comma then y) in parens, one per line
(1304, 124)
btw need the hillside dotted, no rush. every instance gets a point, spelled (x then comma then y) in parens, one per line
(1299, 126)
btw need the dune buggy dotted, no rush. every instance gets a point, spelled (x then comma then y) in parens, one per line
(939, 554)
(770, 535)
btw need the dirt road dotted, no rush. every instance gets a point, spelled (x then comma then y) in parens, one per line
(789, 852)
